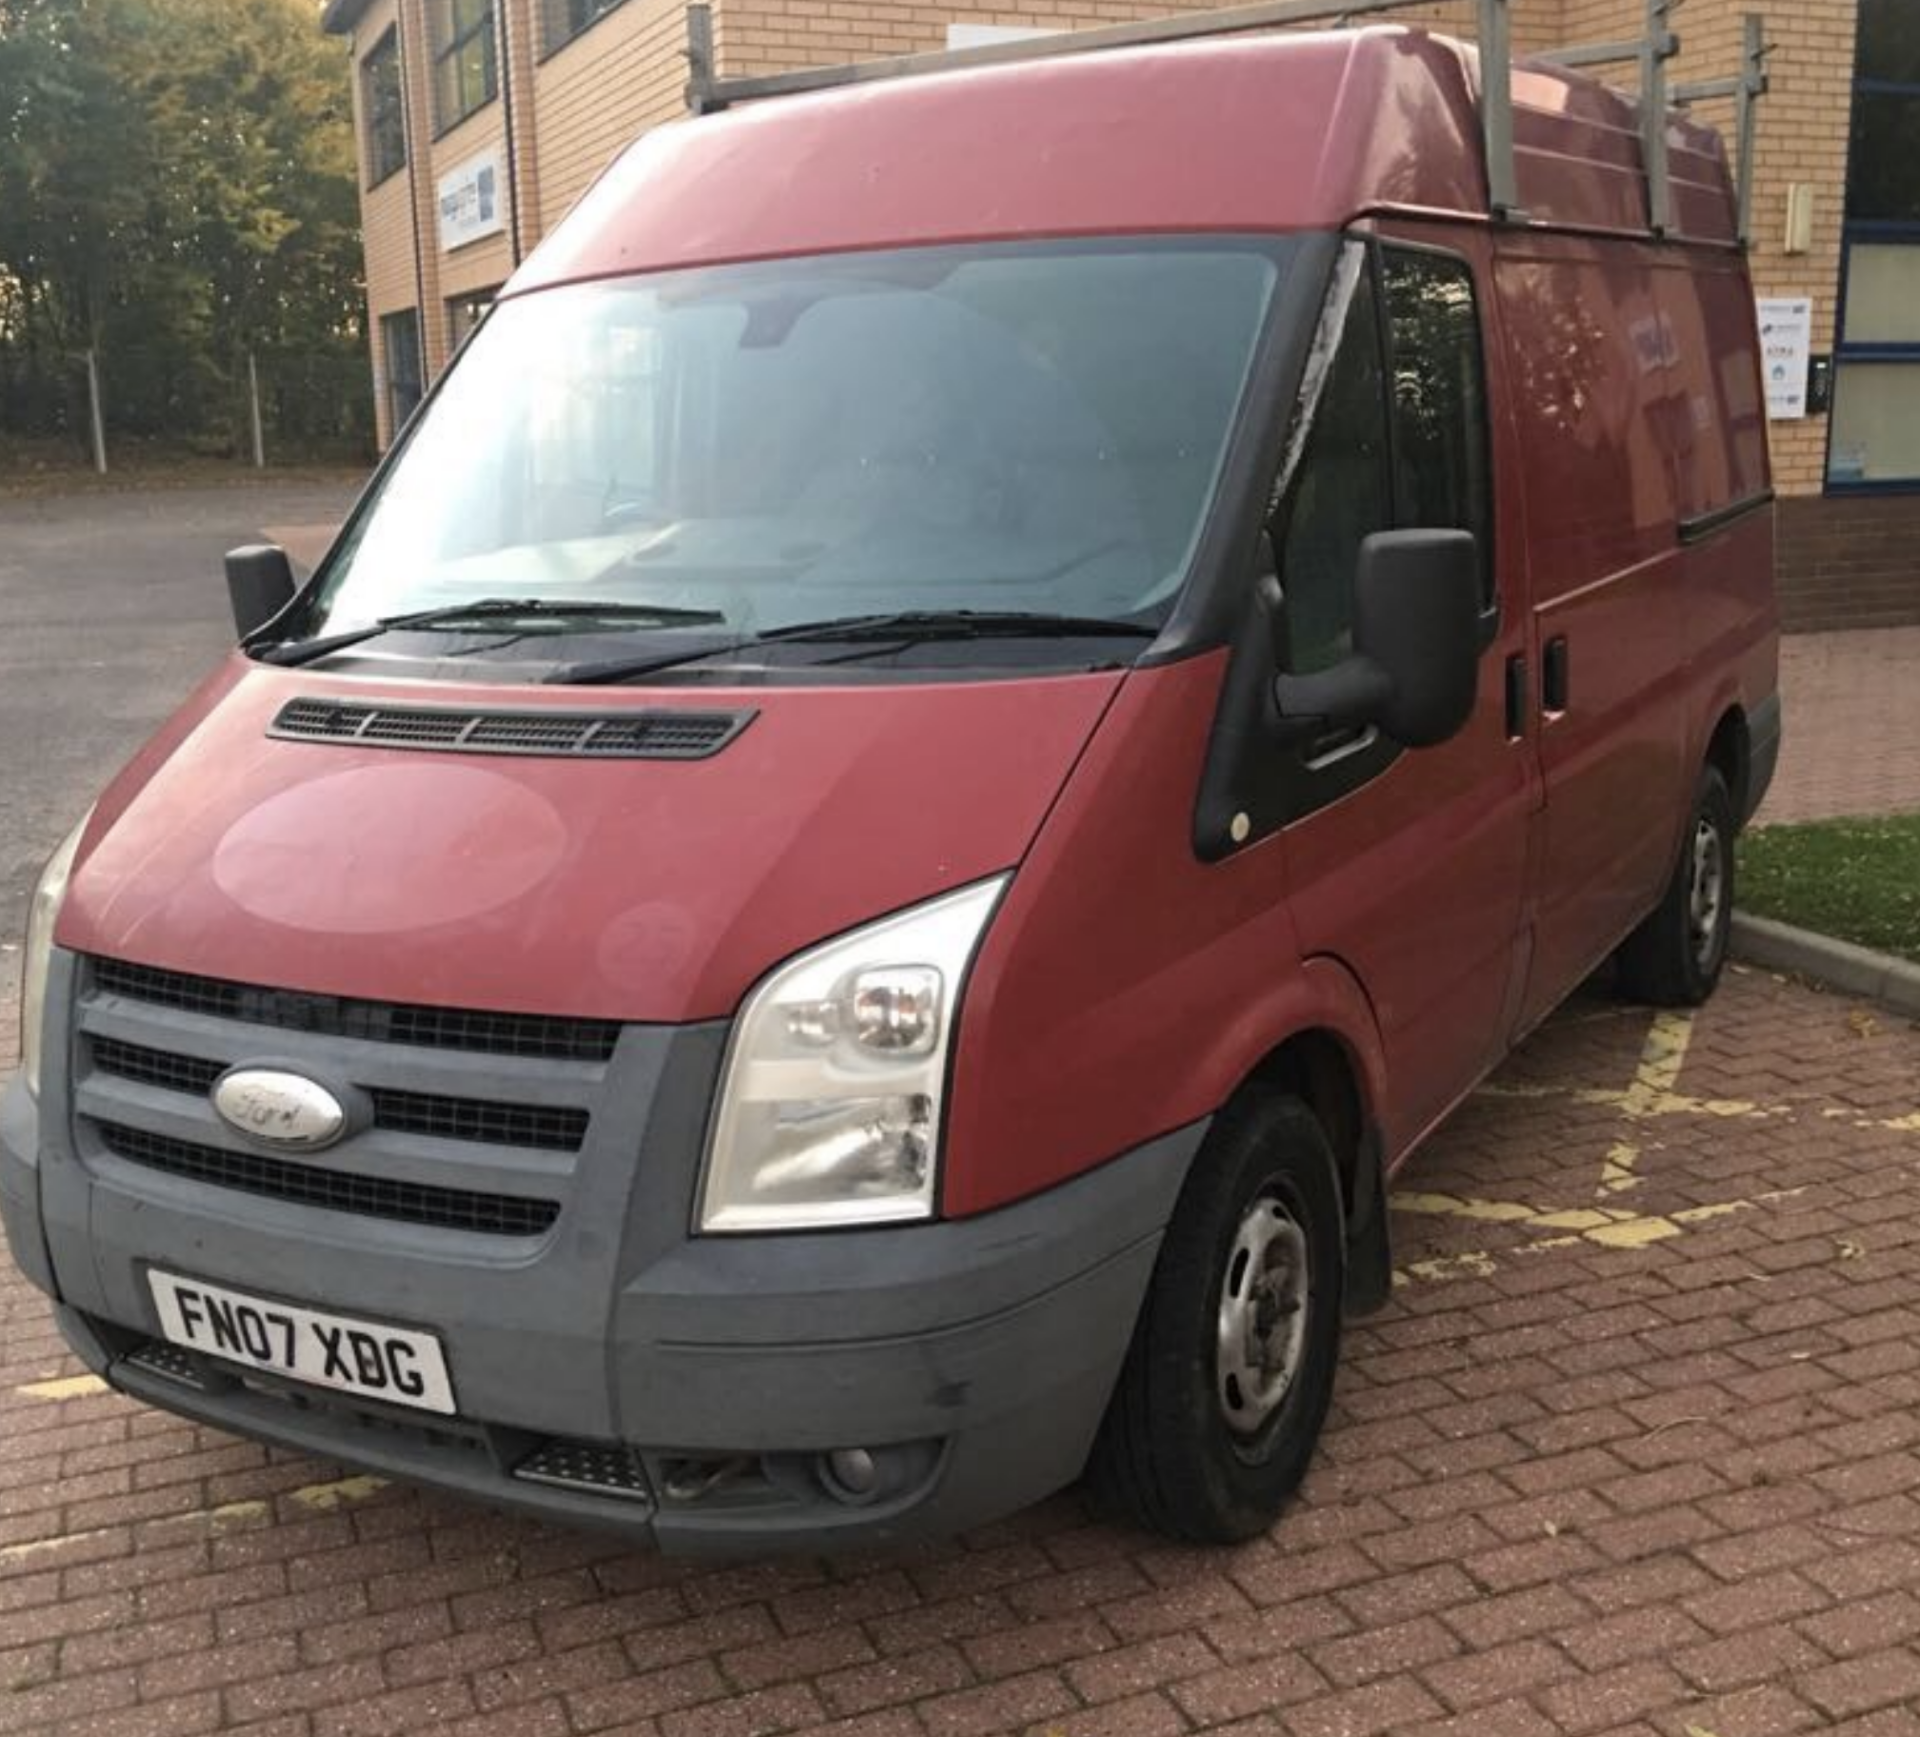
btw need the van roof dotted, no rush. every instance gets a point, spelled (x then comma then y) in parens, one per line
(1279, 131)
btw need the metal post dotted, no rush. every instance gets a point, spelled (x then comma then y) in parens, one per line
(1753, 86)
(1496, 109)
(253, 405)
(93, 405)
(700, 67)
(1654, 49)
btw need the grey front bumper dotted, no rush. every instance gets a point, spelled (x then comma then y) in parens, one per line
(975, 1355)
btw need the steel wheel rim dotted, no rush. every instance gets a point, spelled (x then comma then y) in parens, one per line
(1265, 1294)
(1706, 893)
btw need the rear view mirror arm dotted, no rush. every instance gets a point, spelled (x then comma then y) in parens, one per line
(1350, 695)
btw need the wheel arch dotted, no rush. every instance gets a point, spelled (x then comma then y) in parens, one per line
(1339, 1080)
(1730, 753)
(1316, 1066)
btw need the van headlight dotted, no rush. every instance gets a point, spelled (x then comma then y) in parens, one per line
(45, 907)
(830, 1100)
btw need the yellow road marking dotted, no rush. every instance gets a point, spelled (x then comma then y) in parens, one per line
(12, 1553)
(1890, 1125)
(1661, 1058)
(1475, 1263)
(67, 1387)
(1605, 1226)
(316, 1498)
(1664, 1104)
(329, 1496)
(319, 1498)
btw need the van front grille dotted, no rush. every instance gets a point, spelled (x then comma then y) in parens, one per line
(314, 1185)
(544, 1127)
(630, 735)
(514, 1034)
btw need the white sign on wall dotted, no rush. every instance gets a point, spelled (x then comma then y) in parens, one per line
(1786, 342)
(472, 200)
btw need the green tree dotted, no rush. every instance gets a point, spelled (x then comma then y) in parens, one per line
(177, 189)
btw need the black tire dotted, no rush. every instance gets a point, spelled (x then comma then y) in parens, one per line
(1675, 957)
(1167, 1455)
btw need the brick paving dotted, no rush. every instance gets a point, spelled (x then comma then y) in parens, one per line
(1635, 1450)
(1852, 736)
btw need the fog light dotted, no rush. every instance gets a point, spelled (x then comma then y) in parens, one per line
(850, 1474)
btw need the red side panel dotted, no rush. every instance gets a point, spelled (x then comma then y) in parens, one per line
(1593, 369)
(1126, 987)
(1721, 461)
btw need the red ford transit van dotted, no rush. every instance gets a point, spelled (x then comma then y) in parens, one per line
(978, 702)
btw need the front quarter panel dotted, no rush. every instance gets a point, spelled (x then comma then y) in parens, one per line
(1125, 987)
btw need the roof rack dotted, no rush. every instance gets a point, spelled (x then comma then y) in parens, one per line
(708, 92)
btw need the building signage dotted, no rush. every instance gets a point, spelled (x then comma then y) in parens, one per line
(472, 198)
(1786, 341)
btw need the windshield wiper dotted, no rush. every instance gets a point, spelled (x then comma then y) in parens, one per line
(910, 626)
(301, 651)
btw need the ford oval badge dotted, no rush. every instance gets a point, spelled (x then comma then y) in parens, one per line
(279, 1108)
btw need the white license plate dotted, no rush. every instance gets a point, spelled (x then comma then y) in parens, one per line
(344, 1352)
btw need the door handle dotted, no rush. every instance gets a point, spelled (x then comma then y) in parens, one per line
(1553, 675)
(1516, 696)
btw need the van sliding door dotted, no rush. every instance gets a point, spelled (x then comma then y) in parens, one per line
(1593, 366)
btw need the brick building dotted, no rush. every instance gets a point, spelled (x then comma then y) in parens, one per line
(480, 121)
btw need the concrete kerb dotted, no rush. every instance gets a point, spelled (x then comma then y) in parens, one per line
(1821, 959)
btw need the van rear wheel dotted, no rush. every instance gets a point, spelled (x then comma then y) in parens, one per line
(1675, 957)
(1226, 1384)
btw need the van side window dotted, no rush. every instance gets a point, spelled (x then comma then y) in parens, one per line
(1440, 462)
(1339, 495)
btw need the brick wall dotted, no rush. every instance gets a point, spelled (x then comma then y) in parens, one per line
(622, 75)
(1848, 561)
(1803, 138)
(386, 221)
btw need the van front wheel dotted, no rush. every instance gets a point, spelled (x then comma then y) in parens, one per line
(1227, 1381)
(1675, 957)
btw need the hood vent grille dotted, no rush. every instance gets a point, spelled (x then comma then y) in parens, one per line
(648, 735)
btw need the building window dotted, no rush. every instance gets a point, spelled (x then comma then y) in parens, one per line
(464, 314)
(383, 110)
(400, 346)
(563, 20)
(466, 72)
(1874, 435)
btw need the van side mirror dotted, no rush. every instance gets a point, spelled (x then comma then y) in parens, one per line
(259, 585)
(1416, 643)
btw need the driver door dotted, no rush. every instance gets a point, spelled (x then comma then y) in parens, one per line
(1409, 866)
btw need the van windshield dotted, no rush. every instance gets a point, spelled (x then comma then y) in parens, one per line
(738, 450)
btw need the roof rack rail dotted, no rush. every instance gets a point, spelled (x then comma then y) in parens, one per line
(708, 92)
